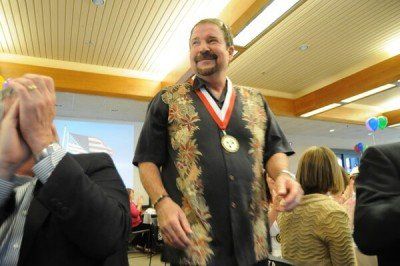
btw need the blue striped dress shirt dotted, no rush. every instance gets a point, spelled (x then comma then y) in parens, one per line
(11, 230)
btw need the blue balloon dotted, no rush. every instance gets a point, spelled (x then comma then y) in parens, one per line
(372, 123)
(360, 147)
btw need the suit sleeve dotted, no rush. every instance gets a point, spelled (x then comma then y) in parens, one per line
(377, 212)
(7, 202)
(91, 206)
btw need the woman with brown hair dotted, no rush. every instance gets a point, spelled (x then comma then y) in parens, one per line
(317, 232)
(135, 208)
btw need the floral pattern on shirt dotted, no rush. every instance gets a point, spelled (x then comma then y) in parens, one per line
(182, 119)
(255, 117)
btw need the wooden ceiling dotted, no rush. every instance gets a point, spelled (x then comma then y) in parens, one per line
(344, 37)
(131, 48)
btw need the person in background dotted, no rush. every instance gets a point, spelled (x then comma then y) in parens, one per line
(377, 211)
(55, 208)
(349, 204)
(317, 232)
(137, 240)
(201, 155)
(342, 196)
(135, 210)
(272, 216)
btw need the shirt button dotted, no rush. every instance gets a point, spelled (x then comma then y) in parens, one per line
(233, 204)
(231, 177)
(15, 246)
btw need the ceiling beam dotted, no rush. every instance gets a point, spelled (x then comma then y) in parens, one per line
(142, 89)
(281, 106)
(393, 117)
(88, 83)
(377, 75)
(113, 86)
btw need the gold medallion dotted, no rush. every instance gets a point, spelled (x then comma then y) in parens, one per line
(230, 143)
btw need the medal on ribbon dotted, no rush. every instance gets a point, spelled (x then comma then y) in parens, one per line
(221, 116)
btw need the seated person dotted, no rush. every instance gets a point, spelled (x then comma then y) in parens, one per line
(272, 215)
(317, 232)
(139, 239)
(135, 210)
(55, 208)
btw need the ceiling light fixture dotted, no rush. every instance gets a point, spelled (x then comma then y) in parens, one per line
(395, 125)
(304, 47)
(393, 47)
(265, 19)
(368, 93)
(322, 109)
(99, 2)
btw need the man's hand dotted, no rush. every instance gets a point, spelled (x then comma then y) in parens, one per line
(14, 152)
(173, 224)
(36, 110)
(289, 190)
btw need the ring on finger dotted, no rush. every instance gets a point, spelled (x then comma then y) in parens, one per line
(32, 87)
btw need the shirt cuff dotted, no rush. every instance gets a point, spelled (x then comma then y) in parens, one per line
(45, 167)
(6, 188)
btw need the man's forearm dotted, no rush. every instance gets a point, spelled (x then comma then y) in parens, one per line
(277, 163)
(151, 180)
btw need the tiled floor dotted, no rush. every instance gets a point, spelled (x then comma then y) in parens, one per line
(140, 259)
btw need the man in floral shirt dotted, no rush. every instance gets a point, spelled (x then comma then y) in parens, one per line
(202, 155)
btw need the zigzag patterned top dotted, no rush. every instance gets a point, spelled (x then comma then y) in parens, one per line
(317, 233)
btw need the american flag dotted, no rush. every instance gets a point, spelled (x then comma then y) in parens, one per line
(85, 144)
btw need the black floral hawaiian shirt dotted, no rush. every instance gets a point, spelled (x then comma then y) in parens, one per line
(223, 194)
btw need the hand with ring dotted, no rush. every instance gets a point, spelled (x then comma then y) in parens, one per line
(37, 98)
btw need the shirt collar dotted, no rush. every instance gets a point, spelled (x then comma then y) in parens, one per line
(200, 83)
(19, 180)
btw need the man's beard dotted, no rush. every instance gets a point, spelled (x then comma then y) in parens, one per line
(208, 70)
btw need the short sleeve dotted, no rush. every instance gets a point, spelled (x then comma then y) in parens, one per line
(152, 143)
(275, 138)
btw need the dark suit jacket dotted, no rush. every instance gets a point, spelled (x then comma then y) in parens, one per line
(377, 212)
(79, 217)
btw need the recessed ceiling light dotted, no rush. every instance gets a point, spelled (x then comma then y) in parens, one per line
(332, 130)
(90, 43)
(99, 2)
(265, 19)
(393, 47)
(304, 47)
(321, 110)
(395, 125)
(368, 93)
